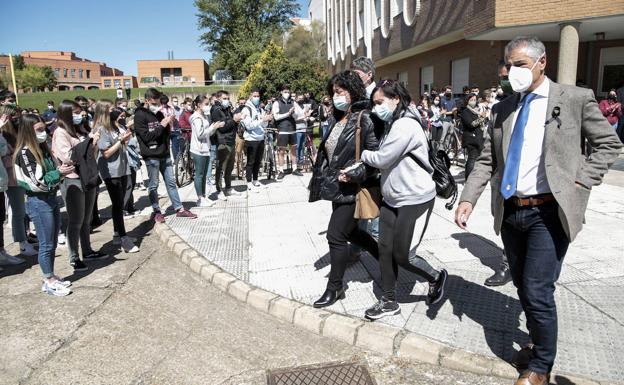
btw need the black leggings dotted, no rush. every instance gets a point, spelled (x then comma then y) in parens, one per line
(343, 228)
(129, 198)
(117, 190)
(396, 230)
(255, 151)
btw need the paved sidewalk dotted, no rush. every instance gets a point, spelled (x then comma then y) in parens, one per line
(275, 240)
(146, 318)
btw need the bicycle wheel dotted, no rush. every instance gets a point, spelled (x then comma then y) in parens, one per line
(180, 169)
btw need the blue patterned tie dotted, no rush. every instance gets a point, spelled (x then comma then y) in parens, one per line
(512, 163)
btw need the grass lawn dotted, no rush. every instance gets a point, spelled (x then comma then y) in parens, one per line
(40, 99)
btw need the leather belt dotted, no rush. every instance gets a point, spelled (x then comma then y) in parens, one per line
(535, 200)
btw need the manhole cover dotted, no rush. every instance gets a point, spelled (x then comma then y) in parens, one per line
(329, 374)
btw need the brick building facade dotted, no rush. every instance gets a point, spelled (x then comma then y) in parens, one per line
(427, 43)
(174, 72)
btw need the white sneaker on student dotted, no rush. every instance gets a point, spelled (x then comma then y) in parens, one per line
(27, 249)
(206, 202)
(117, 239)
(55, 288)
(222, 196)
(61, 239)
(7, 259)
(128, 245)
(232, 193)
(258, 184)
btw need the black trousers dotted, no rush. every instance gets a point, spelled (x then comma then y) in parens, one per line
(473, 154)
(117, 190)
(396, 230)
(2, 218)
(343, 228)
(129, 197)
(255, 151)
(225, 158)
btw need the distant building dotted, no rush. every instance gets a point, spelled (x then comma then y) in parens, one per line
(114, 82)
(316, 10)
(72, 72)
(177, 72)
(427, 44)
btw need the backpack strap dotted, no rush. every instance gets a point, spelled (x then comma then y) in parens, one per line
(358, 137)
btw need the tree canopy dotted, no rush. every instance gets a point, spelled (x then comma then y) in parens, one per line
(307, 45)
(237, 31)
(35, 78)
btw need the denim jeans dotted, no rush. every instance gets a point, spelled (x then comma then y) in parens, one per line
(165, 167)
(301, 141)
(535, 245)
(201, 168)
(79, 204)
(213, 157)
(45, 214)
(369, 225)
(176, 139)
(17, 203)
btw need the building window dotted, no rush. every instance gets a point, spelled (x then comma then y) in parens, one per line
(610, 70)
(460, 74)
(64, 72)
(127, 83)
(57, 72)
(107, 83)
(377, 17)
(117, 83)
(73, 72)
(402, 78)
(426, 79)
(88, 74)
(80, 72)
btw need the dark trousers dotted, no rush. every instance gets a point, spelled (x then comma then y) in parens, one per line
(116, 188)
(535, 245)
(343, 228)
(2, 218)
(396, 230)
(225, 164)
(129, 197)
(255, 151)
(473, 153)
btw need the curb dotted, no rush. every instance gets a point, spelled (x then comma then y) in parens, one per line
(379, 338)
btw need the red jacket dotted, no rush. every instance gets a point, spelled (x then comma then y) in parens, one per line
(611, 110)
(185, 124)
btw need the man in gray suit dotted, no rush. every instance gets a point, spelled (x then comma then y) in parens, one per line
(533, 159)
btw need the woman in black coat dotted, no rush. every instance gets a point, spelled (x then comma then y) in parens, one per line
(473, 123)
(336, 152)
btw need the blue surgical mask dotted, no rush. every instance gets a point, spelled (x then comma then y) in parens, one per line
(383, 112)
(340, 102)
(77, 118)
(255, 101)
(225, 103)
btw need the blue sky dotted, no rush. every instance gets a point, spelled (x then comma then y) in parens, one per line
(117, 32)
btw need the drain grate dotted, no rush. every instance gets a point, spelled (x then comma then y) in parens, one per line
(328, 374)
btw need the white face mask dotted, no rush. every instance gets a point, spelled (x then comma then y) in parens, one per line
(521, 78)
(436, 102)
(154, 108)
(225, 103)
(42, 136)
(255, 100)
(472, 103)
(206, 110)
(286, 95)
(383, 111)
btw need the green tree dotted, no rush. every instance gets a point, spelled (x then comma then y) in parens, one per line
(274, 69)
(35, 78)
(307, 45)
(237, 31)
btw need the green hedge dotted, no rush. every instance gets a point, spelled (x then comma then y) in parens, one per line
(40, 99)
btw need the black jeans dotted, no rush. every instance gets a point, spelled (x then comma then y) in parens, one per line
(473, 154)
(117, 190)
(343, 228)
(129, 197)
(225, 164)
(396, 230)
(255, 151)
(535, 245)
(2, 218)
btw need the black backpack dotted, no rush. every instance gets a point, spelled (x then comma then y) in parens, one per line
(446, 187)
(240, 130)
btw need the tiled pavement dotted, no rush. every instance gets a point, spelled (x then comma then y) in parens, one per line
(275, 240)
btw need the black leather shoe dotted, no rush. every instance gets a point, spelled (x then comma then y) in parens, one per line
(501, 277)
(329, 298)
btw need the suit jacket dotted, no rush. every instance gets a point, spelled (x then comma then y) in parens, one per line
(565, 164)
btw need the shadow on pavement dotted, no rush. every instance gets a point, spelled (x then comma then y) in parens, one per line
(497, 313)
(474, 244)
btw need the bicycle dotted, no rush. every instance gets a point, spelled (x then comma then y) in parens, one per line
(184, 168)
(309, 152)
(269, 159)
(451, 144)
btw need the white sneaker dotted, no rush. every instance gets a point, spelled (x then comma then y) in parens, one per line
(55, 288)
(27, 249)
(7, 259)
(128, 245)
(206, 202)
(232, 193)
(117, 239)
(60, 281)
(61, 239)
(222, 196)
(251, 187)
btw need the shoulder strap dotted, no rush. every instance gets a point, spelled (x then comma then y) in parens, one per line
(358, 137)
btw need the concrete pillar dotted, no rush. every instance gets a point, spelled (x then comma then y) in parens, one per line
(568, 53)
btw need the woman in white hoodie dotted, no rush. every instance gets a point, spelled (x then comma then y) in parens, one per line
(201, 130)
(408, 192)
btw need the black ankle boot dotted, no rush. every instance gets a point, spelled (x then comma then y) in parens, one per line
(501, 277)
(329, 298)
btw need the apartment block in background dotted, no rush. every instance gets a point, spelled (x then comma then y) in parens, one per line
(172, 73)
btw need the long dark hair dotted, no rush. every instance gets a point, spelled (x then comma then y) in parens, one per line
(351, 82)
(65, 119)
(393, 89)
(198, 101)
(27, 138)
